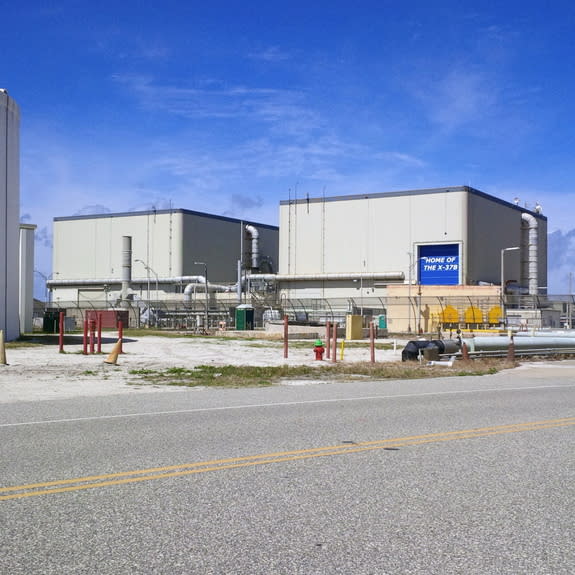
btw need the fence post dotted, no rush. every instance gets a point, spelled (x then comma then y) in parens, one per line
(61, 332)
(334, 354)
(372, 341)
(286, 334)
(327, 339)
(99, 350)
(92, 328)
(85, 338)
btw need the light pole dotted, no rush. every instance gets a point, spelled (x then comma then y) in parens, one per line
(570, 303)
(409, 293)
(417, 319)
(206, 286)
(148, 270)
(514, 248)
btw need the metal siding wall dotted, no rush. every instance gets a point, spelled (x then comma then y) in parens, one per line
(213, 241)
(91, 248)
(492, 227)
(26, 265)
(367, 234)
(9, 215)
(3, 210)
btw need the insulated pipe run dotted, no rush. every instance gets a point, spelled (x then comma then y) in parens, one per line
(384, 276)
(532, 257)
(111, 281)
(201, 280)
(253, 231)
(126, 265)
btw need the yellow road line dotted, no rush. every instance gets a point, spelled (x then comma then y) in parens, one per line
(93, 481)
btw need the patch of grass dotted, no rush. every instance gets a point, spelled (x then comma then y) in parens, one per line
(143, 372)
(258, 376)
(212, 376)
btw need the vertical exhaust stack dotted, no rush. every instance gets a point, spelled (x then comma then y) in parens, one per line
(253, 231)
(530, 223)
(126, 267)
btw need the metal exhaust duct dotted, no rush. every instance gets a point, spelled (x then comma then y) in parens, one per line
(126, 266)
(532, 253)
(253, 231)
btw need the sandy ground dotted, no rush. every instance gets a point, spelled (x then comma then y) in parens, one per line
(41, 372)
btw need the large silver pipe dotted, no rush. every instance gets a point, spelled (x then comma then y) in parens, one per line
(532, 253)
(493, 343)
(385, 276)
(201, 280)
(109, 281)
(253, 231)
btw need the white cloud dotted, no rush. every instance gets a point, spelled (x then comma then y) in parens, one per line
(456, 98)
(270, 54)
(214, 100)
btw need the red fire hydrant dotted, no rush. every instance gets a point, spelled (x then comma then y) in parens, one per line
(318, 349)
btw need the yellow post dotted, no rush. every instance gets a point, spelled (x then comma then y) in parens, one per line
(2, 349)
(342, 348)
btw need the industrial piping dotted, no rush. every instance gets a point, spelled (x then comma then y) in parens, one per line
(414, 348)
(253, 231)
(532, 259)
(126, 266)
(386, 276)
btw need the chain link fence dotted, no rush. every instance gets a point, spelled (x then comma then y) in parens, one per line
(416, 314)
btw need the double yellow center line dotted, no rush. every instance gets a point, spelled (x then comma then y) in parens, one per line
(93, 481)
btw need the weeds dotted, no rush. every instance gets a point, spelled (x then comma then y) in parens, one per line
(258, 376)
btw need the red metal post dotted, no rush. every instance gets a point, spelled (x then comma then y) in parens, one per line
(327, 339)
(334, 354)
(92, 328)
(99, 332)
(61, 332)
(85, 338)
(372, 341)
(286, 333)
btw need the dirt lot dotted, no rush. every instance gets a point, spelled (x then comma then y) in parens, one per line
(41, 372)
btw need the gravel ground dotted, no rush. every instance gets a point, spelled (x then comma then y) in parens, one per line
(40, 372)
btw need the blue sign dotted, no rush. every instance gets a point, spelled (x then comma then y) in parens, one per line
(438, 264)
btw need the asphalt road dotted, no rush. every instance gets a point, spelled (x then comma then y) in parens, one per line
(466, 475)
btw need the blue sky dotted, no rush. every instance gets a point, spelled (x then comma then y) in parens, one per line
(229, 107)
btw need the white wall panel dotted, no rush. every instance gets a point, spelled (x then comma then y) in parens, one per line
(9, 215)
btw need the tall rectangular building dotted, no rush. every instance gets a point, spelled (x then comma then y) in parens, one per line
(9, 214)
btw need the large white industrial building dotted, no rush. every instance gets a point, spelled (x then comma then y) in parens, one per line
(9, 215)
(374, 249)
(170, 254)
(442, 236)
(425, 258)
